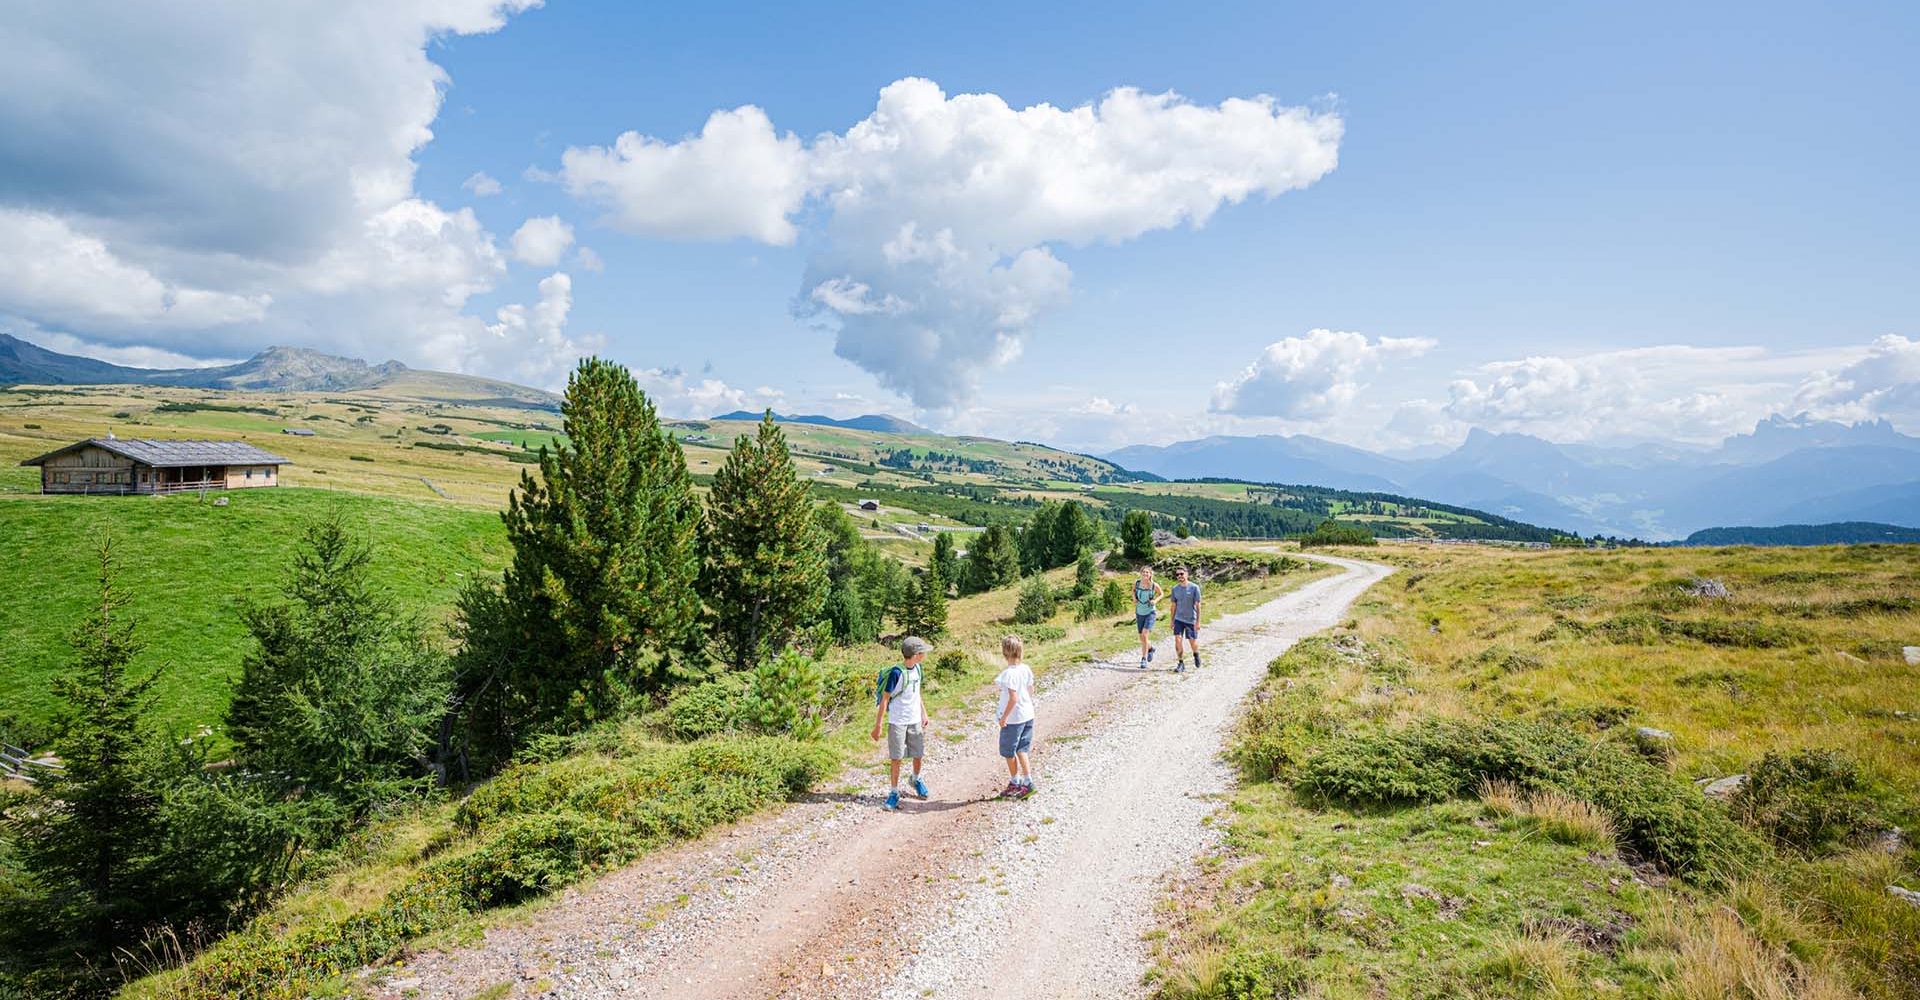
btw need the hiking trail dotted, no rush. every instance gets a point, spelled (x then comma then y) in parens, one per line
(958, 896)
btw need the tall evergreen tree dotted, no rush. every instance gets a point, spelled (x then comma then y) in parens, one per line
(924, 611)
(601, 590)
(766, 561)
(94, 852)
(1136, 536)
(944, 557)
(1036, 539)
(993, 561)
(865, 583)
(342, 694)
(1073, 533)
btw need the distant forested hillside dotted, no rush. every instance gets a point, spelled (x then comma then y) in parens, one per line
(1839, 533)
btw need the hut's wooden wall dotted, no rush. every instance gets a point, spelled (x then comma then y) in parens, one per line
(88, 470)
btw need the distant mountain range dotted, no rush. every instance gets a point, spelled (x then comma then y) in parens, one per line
(877, 422)
(1789, 470)
(282, 369)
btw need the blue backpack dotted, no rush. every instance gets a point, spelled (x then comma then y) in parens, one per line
(883, 682)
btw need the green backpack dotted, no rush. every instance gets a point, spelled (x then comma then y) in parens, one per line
(883, 681)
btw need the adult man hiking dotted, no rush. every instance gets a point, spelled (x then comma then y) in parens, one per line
(1186, 619)
(1146, 594)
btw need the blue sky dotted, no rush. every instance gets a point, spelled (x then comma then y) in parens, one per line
(1615, 223)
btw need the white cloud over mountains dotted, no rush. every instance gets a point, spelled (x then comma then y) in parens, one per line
(939, 215)
(201, 179)
(1311, 377)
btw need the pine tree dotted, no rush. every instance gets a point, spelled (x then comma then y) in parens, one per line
(766, 567)
(601, 590)
(1086, 575)
(342, 694)
(94, 854)
(994, 560)
(943, 556)
(924, 612)
(1036, 539)
(1073, 533)
(1136, 536)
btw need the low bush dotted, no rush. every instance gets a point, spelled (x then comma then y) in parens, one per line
(1332, 532)
(705, 709)
(1647, 628)
(1036, 603)
(1206, 565)
(1810, 801)
(1258, 976)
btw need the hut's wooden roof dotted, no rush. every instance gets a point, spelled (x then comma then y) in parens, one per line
(173, 454)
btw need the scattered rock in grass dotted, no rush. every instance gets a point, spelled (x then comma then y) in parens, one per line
(1907, 896)
(1605, 937)
(1721, 788)
(1708, 588)
(1339, 881)
(1449, 906)
(1890, 841)
(1912, 653)
(1652, 735)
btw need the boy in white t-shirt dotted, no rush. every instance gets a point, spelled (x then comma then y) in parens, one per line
(1016, 719)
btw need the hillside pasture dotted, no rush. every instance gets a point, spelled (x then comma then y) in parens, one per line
(189, 567)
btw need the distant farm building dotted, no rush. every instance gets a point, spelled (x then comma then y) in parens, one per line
(297, 431)
(869, 505)
(131, 465)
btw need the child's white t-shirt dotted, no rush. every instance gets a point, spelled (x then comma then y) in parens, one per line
(1016, 682)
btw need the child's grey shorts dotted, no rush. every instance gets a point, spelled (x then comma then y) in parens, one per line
(1016, 738)
(905, 741)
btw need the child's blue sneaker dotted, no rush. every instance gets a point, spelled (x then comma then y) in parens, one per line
(920, 787)
(893, 800)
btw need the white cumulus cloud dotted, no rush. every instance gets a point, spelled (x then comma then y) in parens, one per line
(939, 215)
(542, 240)
(1310, 377)
(482, 185)
(677, 395)
(227, 174)
(736, 178)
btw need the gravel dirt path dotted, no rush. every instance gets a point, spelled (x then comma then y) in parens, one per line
(959, 896)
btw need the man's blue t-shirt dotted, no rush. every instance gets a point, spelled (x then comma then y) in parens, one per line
(1186, 602)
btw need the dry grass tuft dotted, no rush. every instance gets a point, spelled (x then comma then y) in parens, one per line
(1540, 963)
(1502, 797)
(1568, 820)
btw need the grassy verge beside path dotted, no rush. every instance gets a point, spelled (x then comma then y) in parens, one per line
(1485, 786)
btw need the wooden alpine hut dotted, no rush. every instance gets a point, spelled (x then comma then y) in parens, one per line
(136, 465)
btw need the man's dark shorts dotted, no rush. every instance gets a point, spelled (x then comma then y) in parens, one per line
(1016, 738)
(1188, 629)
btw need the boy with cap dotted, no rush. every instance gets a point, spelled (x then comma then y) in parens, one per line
(904, 716)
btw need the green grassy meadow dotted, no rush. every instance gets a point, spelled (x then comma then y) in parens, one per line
(1368, 856)
(189, 567)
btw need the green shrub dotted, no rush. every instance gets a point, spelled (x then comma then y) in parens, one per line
(783, 696)
(1036, 604)
(1809, 801)
(1665, 820)
(704, 709)
(1260, 975)
(950, 664)
(1647, 628)
(1332, 532)
(1113, 598)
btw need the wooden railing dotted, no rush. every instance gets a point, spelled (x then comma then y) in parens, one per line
(21, 764)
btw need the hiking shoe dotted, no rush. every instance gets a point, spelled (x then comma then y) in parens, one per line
(1012, 791)
(1143, 663)
(1023, 791)
(1149, 654)
(920, 787)
(1181, 668)
(893, 801)
(1196, 661)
